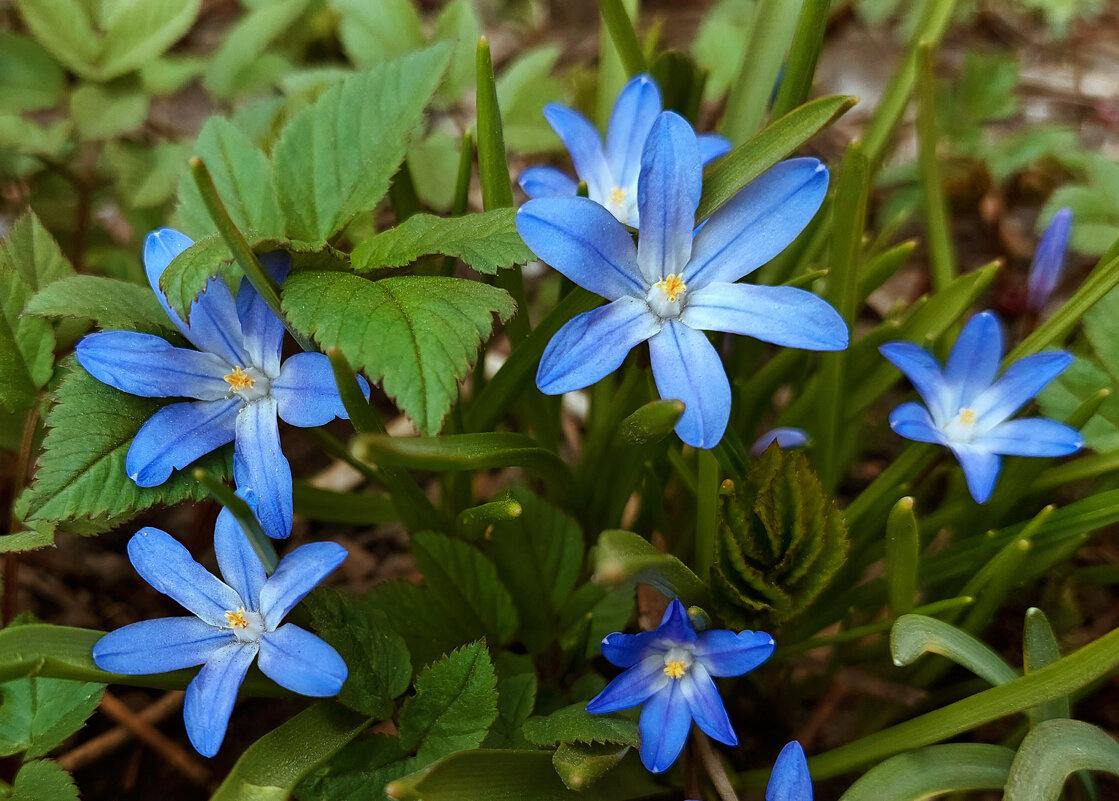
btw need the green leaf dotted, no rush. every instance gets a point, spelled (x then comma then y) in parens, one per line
(580, 766)
(81, 473)
(65, 28)
(372, 33)
(487, 241)
(928, 773)
(145, 176)
(363, 637)
(105, 112)
(623, 557)
(271, 767)
(29, 78)
(428, 625)
(419, 335)
(1053, 751)
(233, 69)
(454, 705)
(243, 177)
(574, 724)
(1040, 649)
(37, 714)
(914, 635)
(359, 771)
(458, 24)
(516, 697)
(43, 781)
(525, 86)
(430, 161)
(108, 302)
(335, 157)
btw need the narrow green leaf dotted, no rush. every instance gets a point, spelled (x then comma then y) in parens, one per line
(902, 556)
(574, 724)
(622, 556)
(942, 257)
(800, 67)
(622, 34)
(108, 302)
(471, 523)
(580, 766)
(36, 714)
(1039, 649)
(487, 242)
(914, 635)
(652, 422)
(931, 772)
(1053, 751)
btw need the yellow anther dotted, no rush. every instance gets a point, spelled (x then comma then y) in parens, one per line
(672, 286)
(967, 417)
(676, 669)
(236, 619)
(239, 380)
(617, 196)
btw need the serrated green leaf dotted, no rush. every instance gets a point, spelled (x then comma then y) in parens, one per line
(233, 68)
(105, 112)
(29, 78)
(335, 157)
(37, 714)
(580, 766)
(454, 705)
(81, 473)
(372, 33)
(487, 241)
(43, 780)
(363, 637)
(243, 177)
(430, 629)
(516, 697)
(419, 335)
(574, 724)
(430, 161)
(109, 302)
(359, 771)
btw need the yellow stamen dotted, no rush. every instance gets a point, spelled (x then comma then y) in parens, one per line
(617, 196)
(239, 380)
(236, 619)
(675, 669)
(967, 417)
(672, 286)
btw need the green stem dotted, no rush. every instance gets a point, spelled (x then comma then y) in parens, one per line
(241, 510)
(707, 500)
(619, 24)
(362, 415)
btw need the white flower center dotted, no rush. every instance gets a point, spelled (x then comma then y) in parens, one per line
(666, 296)
(677, 662)
(620, 203)
(961, 428)
(249, 384)
(246, 626)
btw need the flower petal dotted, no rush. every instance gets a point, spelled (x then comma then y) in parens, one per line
(263, 330)
(176, 435)
(783, 315)
(712, 146)
(728, 653)
(675, 628)
(297, 574)
(306, 394)
(759, 222)
(547, 182)
(790, 780)
(1018, 385)
(1031, 436)
(636, 108)
(626, 650)
(667, 196)
(594, 344)
(299, 661)
(912, 421)
(157, 646)
(1049, 260)
(923, 372)
(161, 246)
(239, 564)
(981, 469)
(785, 438)
(665, 722)
(974, 361)
(211, 694)
(146, 365)
(583, 241)
(585, 146)
(686, 366)
(632, 687)
(166, 565)
(259, 465)
(706, 705)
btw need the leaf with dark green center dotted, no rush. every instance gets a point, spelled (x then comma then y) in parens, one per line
(574, 724)
(417, 335)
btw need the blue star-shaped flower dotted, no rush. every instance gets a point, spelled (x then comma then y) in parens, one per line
(235, 376)
(671, 671)
(790, 780)
(671, 288)
(234, 621)
(967, 410)
(611, 175)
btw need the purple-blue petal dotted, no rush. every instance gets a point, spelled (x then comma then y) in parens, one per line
(582, 240)
(168, 567)
(626, 650)
(758, 223)
(158, 646)
(923, 372)
(668, 192)
(790, 780)
(973, 364)
(1018, 385)
(594, 344)
(239, 564)
(912, 421)
(1031, 436)
(1049, 260)
(676, 627)
(259, 465)
(161, 246)
(664, 724)
(783, 315)
(712, 146)
(299, 661)
(306, 394)
(729, 653)
(547, 182)
(297, 574)
(785, 438)
(211, 694)
(706, 705)
(585, 146)
(148, 366)
(636, 108)
(981, 469)
(263, 331)
(631, 687)
(686, 366)
(176, 435)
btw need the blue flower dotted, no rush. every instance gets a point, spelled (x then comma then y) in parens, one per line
(611, 175)
(235, 377)
(234, 621)
(672, 671)
(968, 410)
(784, 437)
(1049, 260)
(790, 780)
(671, 288)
